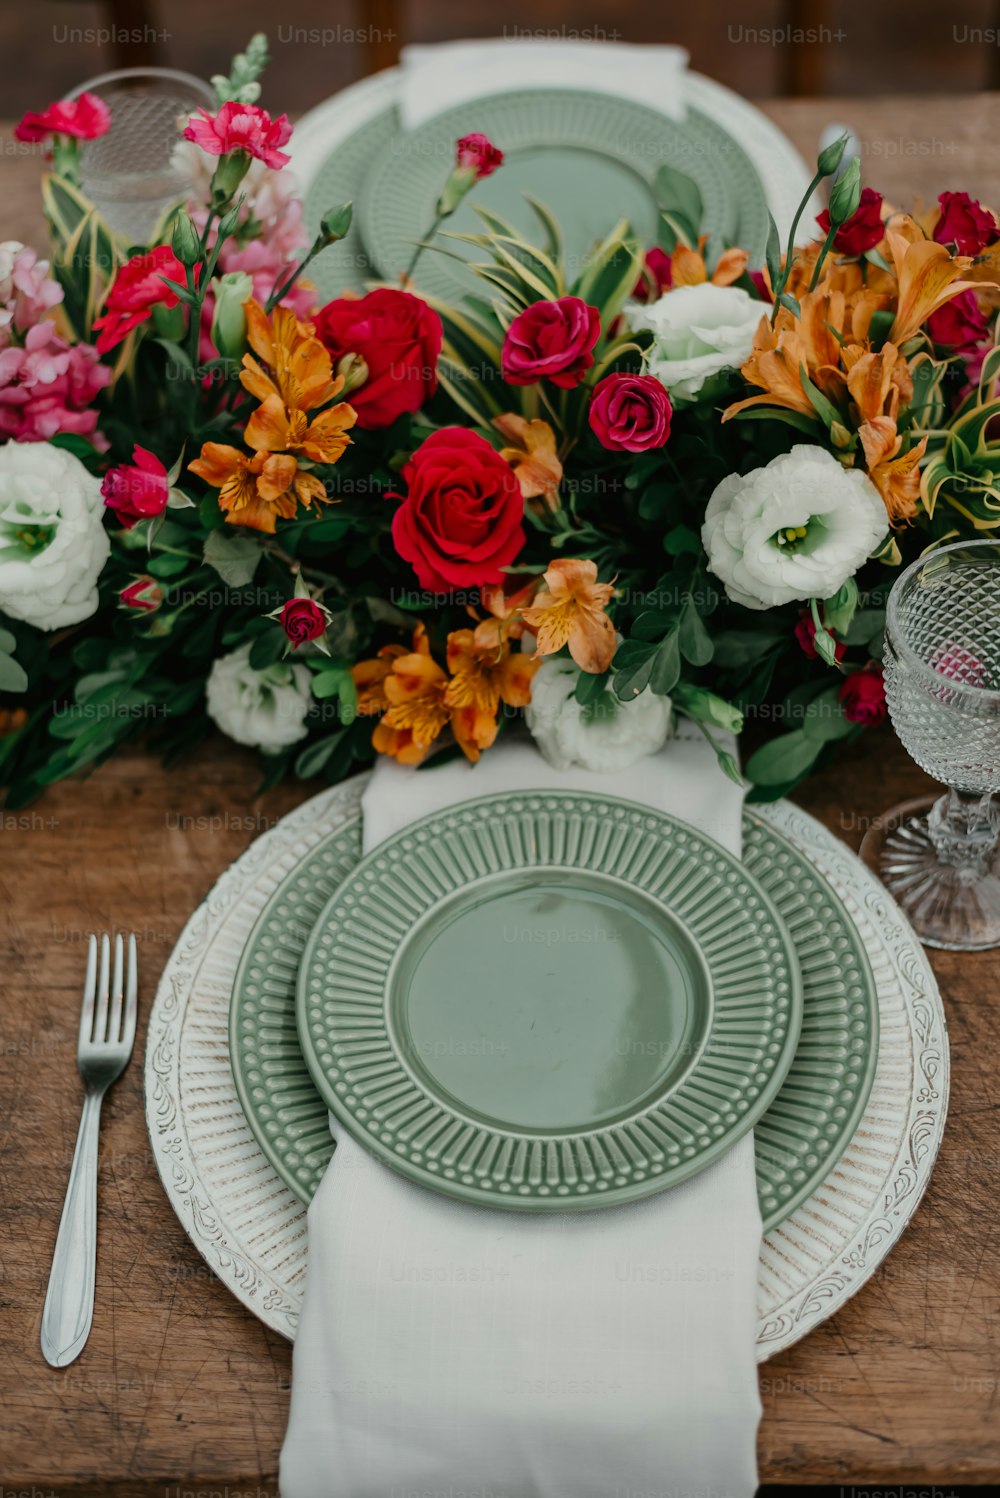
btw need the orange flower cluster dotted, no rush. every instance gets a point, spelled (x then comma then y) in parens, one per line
(416, 698)
(285, 438)
(829, 342)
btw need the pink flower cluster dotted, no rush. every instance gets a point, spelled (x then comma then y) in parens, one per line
(47, 385)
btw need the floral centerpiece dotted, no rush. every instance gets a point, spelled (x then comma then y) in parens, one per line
(673, 483)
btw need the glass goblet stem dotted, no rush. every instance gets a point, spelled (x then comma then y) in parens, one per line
(964, 827)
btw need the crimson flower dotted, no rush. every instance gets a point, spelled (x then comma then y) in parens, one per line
(137, 289)
(241, 127)
(476, 153)
(83, 118)
(138, 490)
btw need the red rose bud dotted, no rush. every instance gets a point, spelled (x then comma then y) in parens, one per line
(958, 326)
(630, 413)
(863, 697)
(805, 633)
(552, 341)
(399, 339)
(965, 225)
(144, 594)
(460, 522)
(137, 491)
(659, 273)
(303, 619)
(476, 153)
(863, 230)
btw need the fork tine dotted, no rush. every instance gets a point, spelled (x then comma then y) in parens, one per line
(89, 990)
(131, 995)
(115, 1007)
(103, 982)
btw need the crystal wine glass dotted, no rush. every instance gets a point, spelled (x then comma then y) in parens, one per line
(141, 168)
(941, 858)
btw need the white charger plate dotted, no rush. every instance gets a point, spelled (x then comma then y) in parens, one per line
(251, 1229)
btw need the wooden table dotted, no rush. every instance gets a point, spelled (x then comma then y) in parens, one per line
(179, 1387)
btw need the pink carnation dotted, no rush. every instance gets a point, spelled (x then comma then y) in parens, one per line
(241, 127)
(48, 386)
(84, 118)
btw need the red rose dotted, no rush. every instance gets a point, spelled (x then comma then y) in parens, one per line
(476, 153)
(136, 290)
(137, 491)
(459, 524)
(399, 338)
(863, 696)
(303, 619)
(805, 633)
(964, 224)
(863, 230)
(958, 325)
(659, 270)
(630, 413)
(552, 341)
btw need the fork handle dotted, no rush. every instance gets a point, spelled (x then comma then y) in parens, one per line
(69, 1300)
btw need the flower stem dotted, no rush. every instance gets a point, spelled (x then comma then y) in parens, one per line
(824, 251)
(419, 249)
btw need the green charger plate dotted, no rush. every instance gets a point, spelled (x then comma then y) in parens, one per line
(548, 1001)
(798, 1140)
(590, 159)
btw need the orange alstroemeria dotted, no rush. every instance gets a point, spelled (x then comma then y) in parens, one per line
(878, 383)
(928, 276)
(301, 371)
(688, 268)
(275, 428)
(775, 364)
(896, 478)
(532, 455)
(485, 672)
(570, 610)
(256, 490)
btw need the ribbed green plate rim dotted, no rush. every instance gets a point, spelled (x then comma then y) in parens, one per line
(394, 178)
(798, 1140)
(392, 1104)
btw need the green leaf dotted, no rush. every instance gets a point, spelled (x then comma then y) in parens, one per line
(783, 760)
(590, 688)
(866, 626)
(234, 558)
(677, 193)
(329, 683)
(313, 758)
(744, 647)
(824, 718)
(633, 666)
(839, 610)
(694, 639)
(666, 665)
(268, 648)
(13, 677)
(772, 252)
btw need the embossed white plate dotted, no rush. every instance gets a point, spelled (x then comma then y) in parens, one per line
(251, 1228)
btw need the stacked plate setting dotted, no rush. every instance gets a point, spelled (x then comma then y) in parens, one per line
(556, 1002)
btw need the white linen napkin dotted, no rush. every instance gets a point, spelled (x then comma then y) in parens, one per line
(453, 1350)
(435, 78)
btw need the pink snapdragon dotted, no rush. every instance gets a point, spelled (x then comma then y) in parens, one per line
(241, 127)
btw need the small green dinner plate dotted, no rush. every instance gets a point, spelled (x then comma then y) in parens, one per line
(799, 1138)
(590, 159)
(548, 1001)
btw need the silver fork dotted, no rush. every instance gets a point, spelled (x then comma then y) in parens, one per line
(107, 1033)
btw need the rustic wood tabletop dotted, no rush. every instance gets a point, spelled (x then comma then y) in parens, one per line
(180, 1390)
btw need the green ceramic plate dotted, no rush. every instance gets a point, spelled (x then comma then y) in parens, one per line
(799, 1138)
(591, 160)
(548, 1001)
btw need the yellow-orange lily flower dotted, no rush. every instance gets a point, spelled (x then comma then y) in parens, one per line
(273, 427)
(688, 268)
(301, 368)
(927, 274)
(775, 364)
(570, 610)
(532, 455)
(896, 478)
(255, 491)
(877, 382)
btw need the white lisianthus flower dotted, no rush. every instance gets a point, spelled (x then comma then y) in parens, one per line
(797, 528)
(698, 331)
(53, 544)
(609, 735)
(265, 709)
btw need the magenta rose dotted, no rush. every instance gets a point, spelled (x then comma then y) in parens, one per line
(630, 413)
(551, 341)
(964, 224)
(863, 697)
(958, 325)
(138, 490)
(863, 230)
(303, 619)
(460, 522)
(399, 338)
